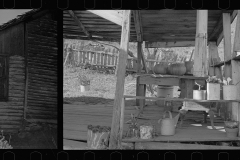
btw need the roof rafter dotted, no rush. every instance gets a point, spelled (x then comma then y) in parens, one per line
(138, 25)
(78, 22)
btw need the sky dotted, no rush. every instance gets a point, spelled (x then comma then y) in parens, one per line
(9, 14)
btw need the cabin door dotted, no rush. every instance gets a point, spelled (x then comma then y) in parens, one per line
(3, 78)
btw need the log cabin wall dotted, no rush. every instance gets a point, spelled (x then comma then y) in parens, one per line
(12, 51)
(42, 69)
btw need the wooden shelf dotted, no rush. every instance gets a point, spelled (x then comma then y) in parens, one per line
(226, 62)
(178, 99)
(190, 133)
(172, 76)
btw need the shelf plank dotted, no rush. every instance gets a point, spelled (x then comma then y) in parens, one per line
(237, 58)
(177, 99)
(191, 133)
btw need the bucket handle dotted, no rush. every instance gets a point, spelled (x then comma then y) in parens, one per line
(170, 114)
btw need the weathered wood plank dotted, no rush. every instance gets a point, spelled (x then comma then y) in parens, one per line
(200, 59)
(169, 44)
(173, 146)
(236, 45)
(159, 81)
(78, 22)
(71, 145)
(111, 15)
(121, 69)
(138, 25)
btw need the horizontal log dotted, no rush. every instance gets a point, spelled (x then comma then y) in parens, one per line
(30, 110)
(43, 62)
(9, 103)
(43, 98)
(36, 101)
(44, 92)
(45, 88)
(16, 70)
(16, 57)
(42, 51)
(37, 79)
(41, 43)
(10, 126)
(42, 71)
(42, 33)
(51, 121)
(48, 107)
(11, 114)
(21, 88)
(19, 95)
(43, 37)
(8, 110)
(44, 20)
(8, 118)
(42, 27)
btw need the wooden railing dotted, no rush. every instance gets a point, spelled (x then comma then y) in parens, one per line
(107, 59)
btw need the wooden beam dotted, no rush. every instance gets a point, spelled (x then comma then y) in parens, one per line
(236, 72)
(115, 139)
(138, 25)
(227, 36)
(200, 67)
(236, 45)
(169, 44)
(78, 22)
(227, 43)
(114, 16)
(220, 37)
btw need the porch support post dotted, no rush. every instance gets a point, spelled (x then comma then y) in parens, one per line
(200, 67)
(227, 70)
(139, 88)
(236, 73)
(115, 136)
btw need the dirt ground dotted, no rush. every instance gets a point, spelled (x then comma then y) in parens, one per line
(42, 137)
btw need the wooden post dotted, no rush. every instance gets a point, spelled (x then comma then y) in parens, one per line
(109, 59)
(236, 45)
(105, 59)
(84, 56)
(98, 58)
(26, 73)
(236, 80)
(102, 54)
(200, 60)
(227, 52)
(115, 138)
(227, 43)
(213, 58)
(139, 87)
(236, 72)
(95, 58)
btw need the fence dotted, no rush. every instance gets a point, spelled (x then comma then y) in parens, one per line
(97, 58)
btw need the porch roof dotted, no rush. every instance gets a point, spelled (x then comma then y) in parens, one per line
(153, 26)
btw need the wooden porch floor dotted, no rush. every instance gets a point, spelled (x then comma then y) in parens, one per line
(77, 115)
